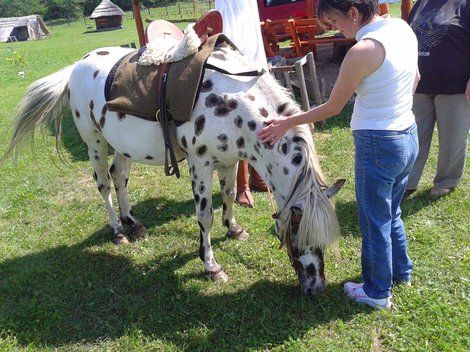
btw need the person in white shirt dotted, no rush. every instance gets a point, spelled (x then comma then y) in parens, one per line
(382, 69)
(241, 25)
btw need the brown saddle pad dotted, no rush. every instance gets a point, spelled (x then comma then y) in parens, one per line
(131, 88)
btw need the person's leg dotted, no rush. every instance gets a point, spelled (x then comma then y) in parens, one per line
(384, 9)
(256, 182)
(423, 109)
(244, 196)
(373, 196)
(401, 262)
(453, 123)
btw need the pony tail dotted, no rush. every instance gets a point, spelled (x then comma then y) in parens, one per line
(42, 105)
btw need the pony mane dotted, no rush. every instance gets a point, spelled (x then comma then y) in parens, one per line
(319, 225)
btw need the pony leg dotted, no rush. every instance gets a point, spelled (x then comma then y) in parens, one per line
(120, 170)
(228, 190)
(98, 154)
(201, 181)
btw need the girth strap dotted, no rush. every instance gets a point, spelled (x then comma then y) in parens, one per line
(171, 168)
(162, 116)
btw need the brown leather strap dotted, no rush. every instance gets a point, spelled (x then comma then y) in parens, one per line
(171, 166)
(162, 70)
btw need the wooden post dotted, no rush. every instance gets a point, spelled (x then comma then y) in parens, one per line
(310, 9)
(138, 22)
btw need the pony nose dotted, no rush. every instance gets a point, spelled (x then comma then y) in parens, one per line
(315, 290)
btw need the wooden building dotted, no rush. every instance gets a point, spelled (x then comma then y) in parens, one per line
(107, 16)
(22, 28)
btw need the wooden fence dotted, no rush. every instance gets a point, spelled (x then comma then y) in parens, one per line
(181, 10)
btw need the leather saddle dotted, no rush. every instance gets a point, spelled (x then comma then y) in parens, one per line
(207, 25)
(189, 71)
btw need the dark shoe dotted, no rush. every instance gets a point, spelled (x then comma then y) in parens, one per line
(245, 198)
(439, 192)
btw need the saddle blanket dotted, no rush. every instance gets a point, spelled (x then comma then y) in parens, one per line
(131, 88)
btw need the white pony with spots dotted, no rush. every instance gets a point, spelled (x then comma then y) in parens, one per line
(221, 131)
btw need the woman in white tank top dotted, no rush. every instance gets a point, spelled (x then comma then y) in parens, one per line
(381, 68)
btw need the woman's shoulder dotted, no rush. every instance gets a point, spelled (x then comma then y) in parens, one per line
(366, 52)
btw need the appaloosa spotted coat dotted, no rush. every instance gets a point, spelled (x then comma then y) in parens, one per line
(221, 131)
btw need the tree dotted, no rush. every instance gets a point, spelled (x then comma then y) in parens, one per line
(18, 8)
(89, 6)
(69, 9)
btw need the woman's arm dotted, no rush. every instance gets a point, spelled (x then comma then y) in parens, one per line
(362, 59)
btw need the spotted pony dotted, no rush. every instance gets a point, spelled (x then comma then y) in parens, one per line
(222, 130)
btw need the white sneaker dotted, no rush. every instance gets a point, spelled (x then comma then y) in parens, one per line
(356, 292)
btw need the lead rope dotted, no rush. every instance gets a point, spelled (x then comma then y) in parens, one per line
(271, 201)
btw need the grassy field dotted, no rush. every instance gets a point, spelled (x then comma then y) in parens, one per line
(65, 287)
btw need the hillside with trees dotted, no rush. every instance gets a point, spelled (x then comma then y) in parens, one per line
(55, 9)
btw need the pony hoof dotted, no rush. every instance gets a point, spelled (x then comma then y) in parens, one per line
(238, 233)
(140, 231)
(121, 238)
(217, 275)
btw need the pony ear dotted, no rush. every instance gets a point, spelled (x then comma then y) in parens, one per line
(332, 190)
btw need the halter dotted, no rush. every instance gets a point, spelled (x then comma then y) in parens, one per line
(287, 239)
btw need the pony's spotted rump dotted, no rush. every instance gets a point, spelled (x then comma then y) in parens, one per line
(222, 130)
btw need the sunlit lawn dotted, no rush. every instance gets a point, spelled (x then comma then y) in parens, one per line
(65, 286)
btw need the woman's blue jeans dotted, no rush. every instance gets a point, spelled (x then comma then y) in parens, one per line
(383, 161)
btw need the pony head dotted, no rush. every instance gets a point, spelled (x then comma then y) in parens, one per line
(306, 222)
(306, 255)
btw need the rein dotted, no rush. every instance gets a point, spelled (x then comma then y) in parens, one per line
(286, 239)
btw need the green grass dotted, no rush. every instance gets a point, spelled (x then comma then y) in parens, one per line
(64, 286)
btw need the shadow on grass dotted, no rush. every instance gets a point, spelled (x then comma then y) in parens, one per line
(347, 217)
(81, 294)
(347, 211)
(72, 141)
(419, 200)
(158, 211)
(72, 295)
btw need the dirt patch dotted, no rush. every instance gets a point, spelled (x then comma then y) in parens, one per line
(327, 64)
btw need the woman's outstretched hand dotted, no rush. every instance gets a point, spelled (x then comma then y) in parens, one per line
(275, 130)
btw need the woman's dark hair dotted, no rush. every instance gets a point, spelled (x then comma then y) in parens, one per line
(367, 8)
